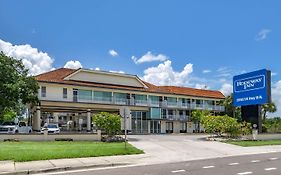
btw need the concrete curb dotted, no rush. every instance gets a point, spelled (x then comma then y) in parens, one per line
(58, 169)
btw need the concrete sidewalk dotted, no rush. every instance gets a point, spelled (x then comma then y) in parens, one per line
(35, 167)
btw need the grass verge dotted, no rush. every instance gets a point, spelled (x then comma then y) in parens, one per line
(255, 143)
(29, 151)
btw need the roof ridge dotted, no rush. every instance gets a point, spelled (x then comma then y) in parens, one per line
(55, 69)
(192, 88)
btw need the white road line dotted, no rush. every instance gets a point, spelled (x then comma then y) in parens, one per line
(178, 171)
(270, 169)
(255, 161)
(244, 173)
(273, 158)
(231, 164)
(206, 167)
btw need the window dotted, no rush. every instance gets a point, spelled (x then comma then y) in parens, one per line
(102, 96)
(64, 92)
(84, 95)
(75, 95)
(198, 102)
(43, 91)
(154, 100)
(155, 113)
(140, 98)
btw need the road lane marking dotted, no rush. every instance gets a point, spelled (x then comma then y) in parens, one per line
(255, 161)
(273, 158)
(244, 173)
(231, 164)
(206, 167)
(270, 169)
(178, 171)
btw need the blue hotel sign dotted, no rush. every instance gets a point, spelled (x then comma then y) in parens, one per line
(252, 88)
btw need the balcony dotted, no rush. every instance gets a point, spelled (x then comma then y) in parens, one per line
(132, 102)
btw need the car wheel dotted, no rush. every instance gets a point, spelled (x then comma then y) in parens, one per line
(16, 131)
(29, 131)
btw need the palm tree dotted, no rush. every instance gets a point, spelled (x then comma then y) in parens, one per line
(231, 110)
(270, 107)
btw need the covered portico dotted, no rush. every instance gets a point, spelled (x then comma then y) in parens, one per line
(71, 116)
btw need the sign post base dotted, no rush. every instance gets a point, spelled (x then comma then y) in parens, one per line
(252, 114)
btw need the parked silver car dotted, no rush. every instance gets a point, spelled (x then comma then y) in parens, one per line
(14, 128)
(51, 128)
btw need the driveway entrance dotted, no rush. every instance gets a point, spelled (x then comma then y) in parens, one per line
(181, 147)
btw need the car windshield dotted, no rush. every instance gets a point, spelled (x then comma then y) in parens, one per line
(52, 126)
(8, 123)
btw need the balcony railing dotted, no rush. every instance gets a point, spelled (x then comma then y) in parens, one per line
(133, 102)
(176, 117)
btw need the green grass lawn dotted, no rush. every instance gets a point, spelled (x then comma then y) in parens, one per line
(255, 143)
(28, 151)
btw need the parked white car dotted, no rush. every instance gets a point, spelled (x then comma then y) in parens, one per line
(51, 128)
(14, 128)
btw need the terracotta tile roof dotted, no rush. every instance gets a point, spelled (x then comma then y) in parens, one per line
(193, 91)
(58, 75)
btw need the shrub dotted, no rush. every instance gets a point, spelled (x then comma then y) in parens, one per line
(273, 125)
(221, 125)
(246, 128)
(111, 123)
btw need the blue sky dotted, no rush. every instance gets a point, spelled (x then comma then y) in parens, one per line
(195, 43)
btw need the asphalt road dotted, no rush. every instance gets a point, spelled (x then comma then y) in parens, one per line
(261, 164)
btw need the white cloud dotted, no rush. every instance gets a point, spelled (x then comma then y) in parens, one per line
(112, 53)
(273, 73)
(201, 86)
(276, 97)
(97, 68)
(226, 89)
(73, 64)
(262, 35)
(149, 57)
(206, 71)
(224, 72)
(114, 71)
(36, 61)
(164, 74)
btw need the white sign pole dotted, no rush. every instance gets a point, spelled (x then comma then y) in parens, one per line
(125, 112)
(125, 126)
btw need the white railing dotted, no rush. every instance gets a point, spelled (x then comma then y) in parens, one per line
(132, 102)
(153, 103)
(141, 102)
(176, 117)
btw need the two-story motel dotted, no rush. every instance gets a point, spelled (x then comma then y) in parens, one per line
(70, 97)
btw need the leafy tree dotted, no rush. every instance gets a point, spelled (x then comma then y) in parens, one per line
(111, 123)
(196, 117)
(9, 115)
(270, 107)
(230, 110)
(17, 88)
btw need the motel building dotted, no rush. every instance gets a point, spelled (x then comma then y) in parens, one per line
(70, 97)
